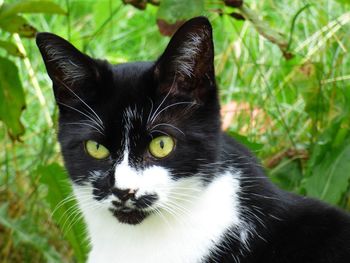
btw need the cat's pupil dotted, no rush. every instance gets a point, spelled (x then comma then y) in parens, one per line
(97, 146)
(161, 144)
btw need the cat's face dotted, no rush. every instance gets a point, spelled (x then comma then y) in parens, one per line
(138, 138)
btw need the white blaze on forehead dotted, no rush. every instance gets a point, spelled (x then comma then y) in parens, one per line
(130, 116)
(125, 176)
(146, 180)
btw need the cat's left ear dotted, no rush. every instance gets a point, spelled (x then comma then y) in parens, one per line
(187, 65)
(70, 70)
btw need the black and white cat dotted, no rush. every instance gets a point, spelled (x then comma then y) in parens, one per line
(158, 181)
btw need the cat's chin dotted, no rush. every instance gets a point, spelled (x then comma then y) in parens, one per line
(131, 217)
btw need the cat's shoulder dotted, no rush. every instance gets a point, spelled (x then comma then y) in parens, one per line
(307, 232)
(313, 232)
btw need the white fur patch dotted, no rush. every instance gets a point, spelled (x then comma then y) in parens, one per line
(149, 180)
(190, 219)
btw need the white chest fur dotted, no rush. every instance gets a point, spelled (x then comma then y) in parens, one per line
(187, 237)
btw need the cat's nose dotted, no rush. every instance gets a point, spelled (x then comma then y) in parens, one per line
(124, 194)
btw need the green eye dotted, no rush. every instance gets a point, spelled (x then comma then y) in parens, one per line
(161, 146)
(96, 150)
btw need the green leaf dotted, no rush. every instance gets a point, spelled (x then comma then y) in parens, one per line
(12, 101)
(330, 176)
(331, 138)
(17, 24)
(29, 6)
(11, 48)
(344, 2)
(253, 146)
(307, 79)
(22, 236)
(175, 10)
(265, 30)
(287, 174)
(59, 189)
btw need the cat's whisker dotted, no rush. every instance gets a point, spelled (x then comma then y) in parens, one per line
(168, 209)
(196, 188)
(76, 95)
(164, 99)
(159, 212)
(176, 187)
(175, 213)
(170, 125)
(75, 220)
(86, 124)
(169, 106)
(67, 215)
(82, 199)
(251, 177)
(77, 216)
(185, 191)
(183, 200)
(162, 132)
(82, 113)
(150, 112)
(183, 194)
(62, 203)
(264, 196)
(74, 206)
(177, 207)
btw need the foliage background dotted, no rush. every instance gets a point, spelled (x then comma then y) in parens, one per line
(284, 81)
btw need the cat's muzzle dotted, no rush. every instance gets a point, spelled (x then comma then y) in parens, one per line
(129, 208)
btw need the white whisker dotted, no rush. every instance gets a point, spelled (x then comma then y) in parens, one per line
(76, 95)
(82, 113)
(170, 125)
(169, 106)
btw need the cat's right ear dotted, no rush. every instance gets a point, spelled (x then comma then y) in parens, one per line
(186, 67)
(71, 71)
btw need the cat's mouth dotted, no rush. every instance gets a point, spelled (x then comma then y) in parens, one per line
(129, 216)
(133, 210)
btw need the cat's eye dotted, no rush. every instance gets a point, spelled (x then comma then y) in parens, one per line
(96, 150)
(161, 146)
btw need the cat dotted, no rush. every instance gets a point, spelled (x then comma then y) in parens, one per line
(155, 177)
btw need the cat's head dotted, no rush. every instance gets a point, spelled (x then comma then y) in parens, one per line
(140, 137)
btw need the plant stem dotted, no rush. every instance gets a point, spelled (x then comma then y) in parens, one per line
(34, 80)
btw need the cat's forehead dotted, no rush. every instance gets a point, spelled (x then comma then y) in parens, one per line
(132, 73)
(132, 83)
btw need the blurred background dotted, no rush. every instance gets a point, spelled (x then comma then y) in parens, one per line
(283, 70)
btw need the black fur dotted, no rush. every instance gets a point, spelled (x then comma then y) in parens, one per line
(288, 228)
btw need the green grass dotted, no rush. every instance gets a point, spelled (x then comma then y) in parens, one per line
(294, 114)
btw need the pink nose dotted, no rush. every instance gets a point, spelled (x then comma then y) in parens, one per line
(124, 194)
